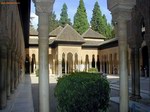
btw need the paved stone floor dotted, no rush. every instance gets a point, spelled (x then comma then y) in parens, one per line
(21, 100)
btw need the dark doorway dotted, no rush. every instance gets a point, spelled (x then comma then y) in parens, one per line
(145, 61)
(93, 61)
(27, 64)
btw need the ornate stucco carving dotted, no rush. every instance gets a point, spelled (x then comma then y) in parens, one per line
(121, 9)
(44, 6)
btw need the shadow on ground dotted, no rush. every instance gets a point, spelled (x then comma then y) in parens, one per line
(35, 95)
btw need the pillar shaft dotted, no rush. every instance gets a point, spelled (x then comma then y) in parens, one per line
(123, 69)
(3, 73)
(9, 73)
(43, 63)
(137, 73)
(65, 66)
(133, 71)
(15, 72)
(59, 68)
(12, 71)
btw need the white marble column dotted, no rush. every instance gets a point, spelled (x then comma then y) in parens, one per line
(65, 65)
(123, 67)
(59, 68)
(43, 9)
(43, 63)
(121, 14)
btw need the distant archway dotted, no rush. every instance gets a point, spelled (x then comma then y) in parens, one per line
(98, 63)
(93, 61)
(27, 64)
(63, 63)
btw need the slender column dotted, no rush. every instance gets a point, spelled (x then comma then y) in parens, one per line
(8, 73)
(123, 67)
(15, 72)
(43, 9)
(54, 68)
(96, 62)
(19, 70)
(137, 74)
(65, 66)
(12, 71)
(43, 60)
(59, 68)
(133, 72)
(3, 73)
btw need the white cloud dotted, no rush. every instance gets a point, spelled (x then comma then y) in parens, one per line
(34, 21)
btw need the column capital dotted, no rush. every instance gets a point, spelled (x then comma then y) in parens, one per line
(44, 6)
(121, 9)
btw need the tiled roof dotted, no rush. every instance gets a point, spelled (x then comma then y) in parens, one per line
(92, 43)
(92, 34)
(34, 40)
(68, 34)
(109, 41)
(55, 32)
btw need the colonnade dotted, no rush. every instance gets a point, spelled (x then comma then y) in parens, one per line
(11, 52)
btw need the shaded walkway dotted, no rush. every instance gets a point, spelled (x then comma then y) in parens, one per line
(21, 100)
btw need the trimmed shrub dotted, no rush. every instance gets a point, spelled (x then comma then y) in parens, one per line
(92, 70)
(82, 92)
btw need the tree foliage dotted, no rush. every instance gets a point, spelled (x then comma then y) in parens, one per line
(99, 22)
(80, 19)
(32, 29)
(53, 22)
(64, 16)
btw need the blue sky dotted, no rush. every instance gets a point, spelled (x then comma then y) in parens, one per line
(72, 8)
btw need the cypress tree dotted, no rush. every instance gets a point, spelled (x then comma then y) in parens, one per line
(97, 21)
(64, 16)
(53, 22)
(80, 19)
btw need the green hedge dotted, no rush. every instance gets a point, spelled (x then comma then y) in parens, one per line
(92, 70)
(82, 92)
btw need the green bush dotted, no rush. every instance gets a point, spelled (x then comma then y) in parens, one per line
(92, 70)
(82, 92)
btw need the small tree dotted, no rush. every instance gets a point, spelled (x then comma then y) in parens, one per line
(64, 16)
(97, 21)
(53, 22)
(80, 19)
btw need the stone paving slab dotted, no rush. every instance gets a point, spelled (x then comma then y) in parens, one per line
(21, 100)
